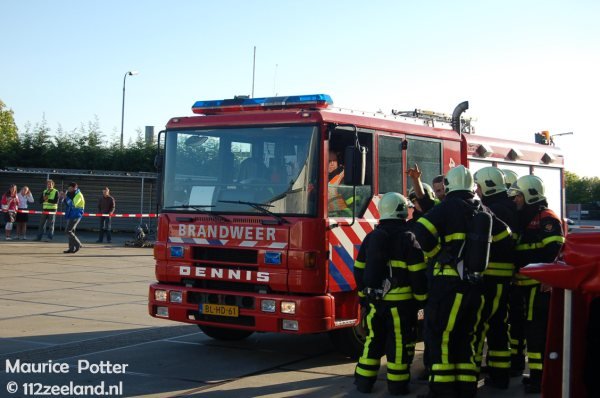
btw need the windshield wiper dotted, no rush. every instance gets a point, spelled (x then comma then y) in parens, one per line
(200, 209)
(283, 195)
(260, 207)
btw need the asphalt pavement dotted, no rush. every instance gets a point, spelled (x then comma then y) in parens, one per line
(75, 320)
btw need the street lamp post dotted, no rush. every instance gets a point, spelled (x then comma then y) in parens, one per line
(129, 73)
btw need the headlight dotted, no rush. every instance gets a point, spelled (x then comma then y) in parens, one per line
(289, 324)
(162, 312)
(267, 305)
(175, 296)
(160, 295)
(288, 307)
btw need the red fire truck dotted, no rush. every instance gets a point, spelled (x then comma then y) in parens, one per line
(249, 239)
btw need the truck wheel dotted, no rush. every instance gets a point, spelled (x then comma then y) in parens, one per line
(225, 334)
(349, 341)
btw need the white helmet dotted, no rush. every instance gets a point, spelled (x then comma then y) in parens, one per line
(459, 178)
(490, 180)
(426, 188)
(510, 177)
(393, 206)
(531, 187)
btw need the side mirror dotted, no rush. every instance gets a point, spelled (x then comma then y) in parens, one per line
(355, 165)
(158, 162)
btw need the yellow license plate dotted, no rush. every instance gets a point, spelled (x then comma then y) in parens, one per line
(220, 310)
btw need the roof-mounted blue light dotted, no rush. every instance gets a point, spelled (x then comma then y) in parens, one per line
(253, 104)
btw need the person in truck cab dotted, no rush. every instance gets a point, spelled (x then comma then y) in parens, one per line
(337, 205)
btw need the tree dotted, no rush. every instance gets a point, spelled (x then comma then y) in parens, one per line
(584, 190)
(8, 129)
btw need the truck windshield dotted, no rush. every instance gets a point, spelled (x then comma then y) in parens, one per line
(216, 168)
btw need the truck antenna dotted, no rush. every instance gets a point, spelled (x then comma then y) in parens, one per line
(253, 71)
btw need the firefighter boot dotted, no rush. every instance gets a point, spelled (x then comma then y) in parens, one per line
(363, 384)
(498, 378)
(517, 365)
(533, 383)
(398, 388)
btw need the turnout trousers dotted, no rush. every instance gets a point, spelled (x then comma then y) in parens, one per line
(391, 326)
(494, 328)
(452, 318)
(529, 321)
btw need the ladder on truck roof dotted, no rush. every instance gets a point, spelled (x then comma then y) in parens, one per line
(431, 117)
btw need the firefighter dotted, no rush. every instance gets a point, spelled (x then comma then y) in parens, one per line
(491, 188)
(509, 177)
(540, 239)
(516, 306)
(390, 276)
(421, 194)
(423, 198)
(454, 303)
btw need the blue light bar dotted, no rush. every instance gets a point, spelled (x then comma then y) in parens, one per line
(253, 104)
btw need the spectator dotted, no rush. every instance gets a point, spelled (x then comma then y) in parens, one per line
(25, 197)
(74, 208)
(10, 205)
(49, 199)
(106, 205)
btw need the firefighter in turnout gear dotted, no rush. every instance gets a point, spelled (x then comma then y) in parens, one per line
(516, 305)
(421, 194)
(390, 276)
(510, 177)
(491, 188)
(455, 301)
(540, 239)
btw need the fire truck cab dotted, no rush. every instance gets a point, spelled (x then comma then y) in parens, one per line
(254, 235)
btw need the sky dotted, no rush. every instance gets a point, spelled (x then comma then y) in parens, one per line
(524, 66)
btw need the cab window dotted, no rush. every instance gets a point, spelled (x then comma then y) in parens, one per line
(390, 164)
(428, 155)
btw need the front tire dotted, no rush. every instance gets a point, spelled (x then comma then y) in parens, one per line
(225, 334)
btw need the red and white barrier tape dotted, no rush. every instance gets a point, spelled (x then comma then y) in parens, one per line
(61, 213)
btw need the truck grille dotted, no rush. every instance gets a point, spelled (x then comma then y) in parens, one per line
(238, 256)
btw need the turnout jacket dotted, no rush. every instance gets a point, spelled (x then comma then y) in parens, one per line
(502, 252)
(391, 244)
(540, 238)
(448, 223)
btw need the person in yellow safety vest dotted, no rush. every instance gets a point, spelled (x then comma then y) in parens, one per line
(75, 204)
(390, 276)
(337, 205)
(540, 240)
(491, 188)
(49, 199)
